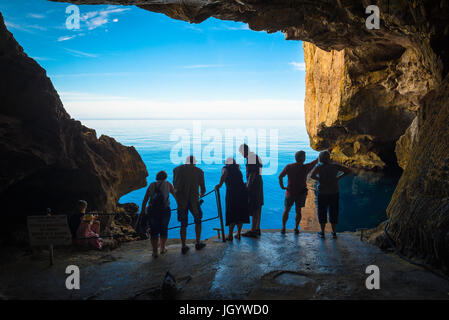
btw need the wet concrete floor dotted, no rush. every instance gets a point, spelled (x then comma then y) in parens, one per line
(275, 266)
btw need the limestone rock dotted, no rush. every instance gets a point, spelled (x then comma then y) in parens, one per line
(360, 101)
(48, 159)
(419, 208)
(406, 143)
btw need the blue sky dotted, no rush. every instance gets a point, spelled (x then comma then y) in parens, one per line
(125, 62)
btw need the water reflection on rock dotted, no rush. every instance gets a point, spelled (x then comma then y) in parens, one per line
(364, 197)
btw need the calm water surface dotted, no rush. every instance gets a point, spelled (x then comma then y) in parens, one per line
(363, 196)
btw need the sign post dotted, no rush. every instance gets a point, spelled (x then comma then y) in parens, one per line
(49, 231)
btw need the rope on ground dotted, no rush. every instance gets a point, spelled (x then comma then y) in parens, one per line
(392, 244)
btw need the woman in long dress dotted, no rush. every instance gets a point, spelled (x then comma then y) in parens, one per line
(237, 211)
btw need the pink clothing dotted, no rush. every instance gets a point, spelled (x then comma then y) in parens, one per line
(87, 235)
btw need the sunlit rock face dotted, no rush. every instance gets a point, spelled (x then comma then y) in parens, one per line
(48, 159)
(360, 101)
(382, 79)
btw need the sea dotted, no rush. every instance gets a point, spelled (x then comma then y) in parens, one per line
(164, 144)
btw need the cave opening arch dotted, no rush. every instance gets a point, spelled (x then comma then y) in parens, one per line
(419, 74)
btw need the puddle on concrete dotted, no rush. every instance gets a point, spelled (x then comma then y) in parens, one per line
(293, 279)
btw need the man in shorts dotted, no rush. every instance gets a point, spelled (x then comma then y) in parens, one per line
(296, 191)
(188, 180)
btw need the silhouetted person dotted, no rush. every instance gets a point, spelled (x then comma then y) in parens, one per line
(296, 190)
(237, 211)
(327, 174)
(158, 193)
(75, 219)
(188, 180)
(255, 188)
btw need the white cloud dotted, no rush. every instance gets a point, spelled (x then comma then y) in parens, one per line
(241, 27)
(65, 38)
(77, 53)
(96, 22)
(95, 19)
(300, 66)
(92, 106)
(42, 58)
(24, 27)
(36, 15)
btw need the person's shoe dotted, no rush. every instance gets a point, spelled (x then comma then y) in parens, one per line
(258, 232)
(200, 246)
(321, 234)
(163, 251)
(283, 230)
(334, 235)
(296, 231)
(250, 234)
(185, 249)
(155, 255)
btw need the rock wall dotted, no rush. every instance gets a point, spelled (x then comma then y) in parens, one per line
(419, 209)
(47, 159)
(359, 101)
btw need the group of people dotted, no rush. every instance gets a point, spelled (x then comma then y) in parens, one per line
(243, 200)
(327, 173)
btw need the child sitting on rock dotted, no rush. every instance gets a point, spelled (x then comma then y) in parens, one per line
(88, 233)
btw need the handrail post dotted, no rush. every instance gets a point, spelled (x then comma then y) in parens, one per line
(50, 247)
(220, 213)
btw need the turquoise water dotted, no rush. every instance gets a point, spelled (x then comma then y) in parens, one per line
(363, 196)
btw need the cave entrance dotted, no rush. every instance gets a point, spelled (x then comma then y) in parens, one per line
(150, 81)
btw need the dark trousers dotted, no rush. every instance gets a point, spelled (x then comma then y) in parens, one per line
(325, 202)
(159, 223)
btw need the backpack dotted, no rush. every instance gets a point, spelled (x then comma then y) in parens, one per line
(158, 200)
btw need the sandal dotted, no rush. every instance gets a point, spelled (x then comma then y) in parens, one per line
(296, 231)
(155, 255)
(238, 236)
(321, 235)
(163, 251)
(229, 238)
(283, 231)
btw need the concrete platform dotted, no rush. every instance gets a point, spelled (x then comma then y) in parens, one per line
(275, 266)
